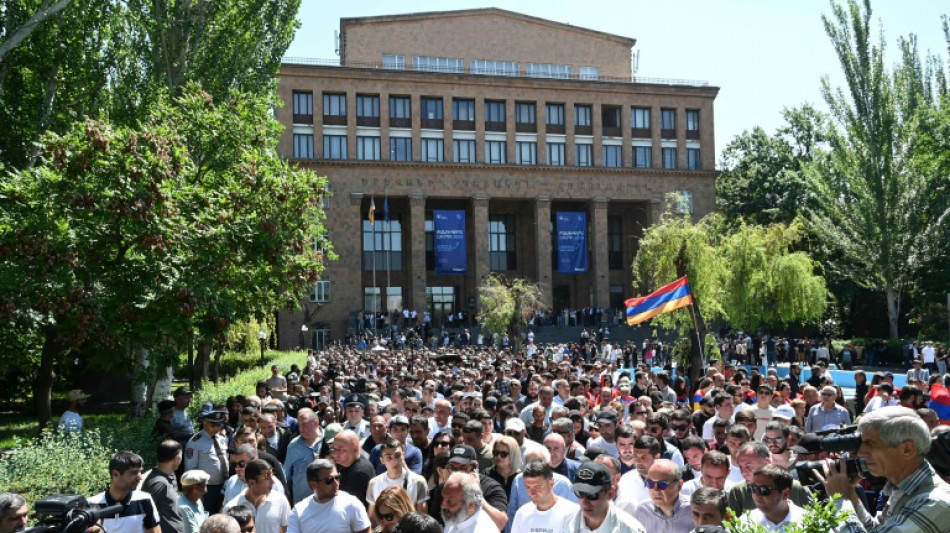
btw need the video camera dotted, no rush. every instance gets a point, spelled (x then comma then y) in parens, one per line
(838, 440)
(68, 513)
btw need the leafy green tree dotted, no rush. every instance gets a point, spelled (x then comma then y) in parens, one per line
(506, 305)
(20, 20)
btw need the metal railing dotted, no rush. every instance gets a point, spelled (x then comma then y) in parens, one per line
(309, 61)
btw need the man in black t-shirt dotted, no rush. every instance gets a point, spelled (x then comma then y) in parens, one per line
(355, 470)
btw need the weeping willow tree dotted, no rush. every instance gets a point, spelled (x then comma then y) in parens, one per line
(506, 305)
(750, 277)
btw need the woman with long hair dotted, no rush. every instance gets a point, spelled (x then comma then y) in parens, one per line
(441, 444)
(392, 504)
(506, 455)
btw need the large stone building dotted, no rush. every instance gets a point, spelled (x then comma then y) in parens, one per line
(504, 121)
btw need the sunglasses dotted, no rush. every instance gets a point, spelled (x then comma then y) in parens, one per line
(662, 485)
(676, 427)
(331, 479)
(771, 440)
(513, 433)
(500, 453)
(387, 517)
(240, 464)
(443, 444)
(471, 430)
(639, 413)
(587, 496)
(459, 426)
(761, 489)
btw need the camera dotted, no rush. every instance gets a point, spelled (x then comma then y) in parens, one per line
(68, 513)
(838, 440)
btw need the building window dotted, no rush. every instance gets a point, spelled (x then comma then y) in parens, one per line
(584, 154)
(431, 113)
(463, 150)
(440, 301)
(393, 61)
(494, 115)
(387, 250)
(527, 152)
(640, 122)
(692, 124)
(524, 113)
(642, 157)
(668, 123)
(303, 107)
(501, 242)
(437, 64)
(582, 115)
(610, 120)
(367, 105)
(325, 199)
(692, 159)
(669, 158)
(494, 68)
(303, 146)
(616, 297)
(463, 109)
(371, 299)
(554, 114)
(496, 152)
(321, 291)
(433, 150)
(613, 156)
(590, 73)
(400, 112)
(615, 242)
(334, 146)
(367, 148)
(334, 105)
(547, 70)
(556, 154)
(400, 149)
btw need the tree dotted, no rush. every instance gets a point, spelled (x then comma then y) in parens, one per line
(506, 305)
(16, 31)
(869, 209)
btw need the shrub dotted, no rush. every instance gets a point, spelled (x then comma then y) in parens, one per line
(243, 383)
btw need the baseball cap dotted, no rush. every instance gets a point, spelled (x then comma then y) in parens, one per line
(165, 406)
(76, 395)
(607, 416)
(591, 477)
(784, 411)
(182, 391)
(463, 453)
(194, 477)
(515, 424)
(399, 420)
(809, 443)
(331, 431)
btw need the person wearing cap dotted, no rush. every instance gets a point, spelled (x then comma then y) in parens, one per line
(301, 451)
(181, 420)
(595, 491)
(666, 511)
(397, 474)
(194, 484)
(399, 430)
(494, 501)
(71, 421)
(161, 485)
(827, 413)
(163, 425)
(355, 405)
(207, 450)
(515, 428)
(607, 424)
(546, 512)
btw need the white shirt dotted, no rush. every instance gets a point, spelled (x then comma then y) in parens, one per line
(414, 484)
(795, 515)
(343, 514)
(609, 447)
(928, 354)
(691, 486)
(708, 426)
(631, 491)
(234, 486)
(530, 519)
(479, 522)
(270, 517)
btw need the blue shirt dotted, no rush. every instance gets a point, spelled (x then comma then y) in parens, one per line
(299, 456)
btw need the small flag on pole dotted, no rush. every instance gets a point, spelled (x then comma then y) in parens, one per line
(663, 300)
(372, 211)
(386, 208)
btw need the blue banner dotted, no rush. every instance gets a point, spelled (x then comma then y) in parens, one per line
(571, 242)
(450, 254)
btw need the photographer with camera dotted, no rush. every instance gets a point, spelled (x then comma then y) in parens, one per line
(894, 445)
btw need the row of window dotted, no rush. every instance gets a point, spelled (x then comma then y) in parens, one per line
(496, 152)
(488, 67)
(463, 111)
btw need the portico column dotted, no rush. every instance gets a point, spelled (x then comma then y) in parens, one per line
(542, 225)
(417, 250)
(598, 237)
(655, 211)
(480, 241)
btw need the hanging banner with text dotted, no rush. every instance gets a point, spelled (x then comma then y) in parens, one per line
(571, 242)
(450, 255)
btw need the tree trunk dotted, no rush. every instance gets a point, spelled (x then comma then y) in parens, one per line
(204, 356)
(216, 369)
(43, 382)
(141, 375)
(893, 310)
(696, 358)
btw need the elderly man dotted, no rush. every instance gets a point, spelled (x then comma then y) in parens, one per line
(894, 443)
(328, 510)
(462, 506)
(595, 491)
(194, 484)
(13, 512)
(494, 500)
(770, 488)
(559, 462)
(442, 417)
(666, 511)
(827, 413)
(546, 512)
(565, 428)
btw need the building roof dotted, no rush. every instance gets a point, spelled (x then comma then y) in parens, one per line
(344, 22)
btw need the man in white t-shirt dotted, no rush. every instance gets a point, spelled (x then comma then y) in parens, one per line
(329, 510)
(763, 409)
(397, 474)
(546, 513)
(71, 419)
(771, 486)
(271, 509)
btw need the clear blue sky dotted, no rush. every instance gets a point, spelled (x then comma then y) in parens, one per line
(764, 55)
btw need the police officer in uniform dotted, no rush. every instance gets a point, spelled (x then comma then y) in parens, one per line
(355, 405)
(207, 450)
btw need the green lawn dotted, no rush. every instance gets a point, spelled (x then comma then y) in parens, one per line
(14, 426)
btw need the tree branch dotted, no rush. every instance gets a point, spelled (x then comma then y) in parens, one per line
(20, 34)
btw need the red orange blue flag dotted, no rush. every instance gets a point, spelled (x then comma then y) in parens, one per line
(663, 300)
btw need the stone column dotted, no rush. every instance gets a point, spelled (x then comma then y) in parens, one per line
(480, 241)
(417, 252)
(655, 211)
(542, 224)
(598, 237)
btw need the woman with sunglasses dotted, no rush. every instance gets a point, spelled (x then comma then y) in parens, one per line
(441, 445)
(506, 455)
(391, 505)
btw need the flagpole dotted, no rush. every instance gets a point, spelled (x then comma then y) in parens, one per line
(692, 312)
(372, 224)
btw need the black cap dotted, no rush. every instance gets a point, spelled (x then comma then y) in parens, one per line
(490, 403)
(809, 443)
(594, 452)
(575, 414)
(607, 416)
(165, 406)
(592, 477)
(355, 399)
(463, 453)
(183, 391)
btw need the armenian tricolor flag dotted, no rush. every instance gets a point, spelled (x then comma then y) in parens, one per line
(663, 300)
(940, 402)
(372, 211)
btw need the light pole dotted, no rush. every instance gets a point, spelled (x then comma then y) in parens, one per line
(262, 338)
(303, 336)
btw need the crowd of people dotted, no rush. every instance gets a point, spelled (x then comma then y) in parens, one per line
(485, 440)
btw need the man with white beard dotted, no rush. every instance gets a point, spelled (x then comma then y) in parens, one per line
(462, 505)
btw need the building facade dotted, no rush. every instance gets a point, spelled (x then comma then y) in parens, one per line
(505, 121)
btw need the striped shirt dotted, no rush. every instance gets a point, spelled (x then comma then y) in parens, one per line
(138, 512)
(920, 504)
